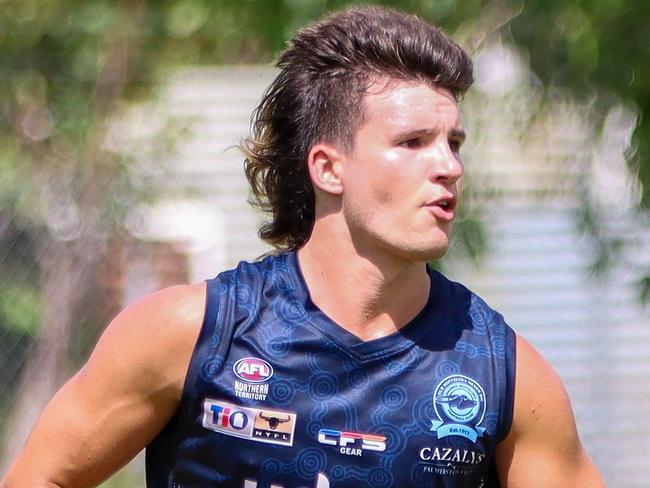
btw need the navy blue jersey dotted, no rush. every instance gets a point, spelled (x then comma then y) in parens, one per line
(277, 395)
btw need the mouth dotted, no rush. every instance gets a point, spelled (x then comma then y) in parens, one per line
(443, 207)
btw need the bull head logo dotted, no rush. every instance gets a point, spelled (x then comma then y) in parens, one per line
(274, 421)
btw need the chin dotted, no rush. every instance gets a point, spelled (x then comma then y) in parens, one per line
(425, 253)
(433, 254)
(434, 247)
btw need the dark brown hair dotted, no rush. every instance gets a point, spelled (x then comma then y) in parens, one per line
(317, 97)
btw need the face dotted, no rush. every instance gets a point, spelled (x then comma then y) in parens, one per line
(402, 179)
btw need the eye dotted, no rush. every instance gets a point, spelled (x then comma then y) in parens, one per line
(455, 145)
(412, 143)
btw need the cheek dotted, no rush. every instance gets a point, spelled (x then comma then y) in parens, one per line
(371, 189)
(383, 195)
(384, 188)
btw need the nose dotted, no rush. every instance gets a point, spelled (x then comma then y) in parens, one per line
(446, 165)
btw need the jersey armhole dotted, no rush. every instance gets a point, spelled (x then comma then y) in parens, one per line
(203, 339)
(508, 404)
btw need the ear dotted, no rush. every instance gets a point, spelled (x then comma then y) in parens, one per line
(325, 168)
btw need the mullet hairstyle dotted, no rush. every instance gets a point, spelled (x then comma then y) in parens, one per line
(317, 96)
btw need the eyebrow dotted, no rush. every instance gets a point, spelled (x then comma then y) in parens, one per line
(460, 133)
(411, 134)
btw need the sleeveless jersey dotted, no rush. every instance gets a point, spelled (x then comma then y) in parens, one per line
(277, 395)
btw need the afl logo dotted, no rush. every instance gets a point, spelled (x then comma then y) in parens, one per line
(253, 370)
(459, 403)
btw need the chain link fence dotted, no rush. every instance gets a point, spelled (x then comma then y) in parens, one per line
(54, 303)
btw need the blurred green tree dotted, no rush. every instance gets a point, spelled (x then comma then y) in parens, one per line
(598, 51)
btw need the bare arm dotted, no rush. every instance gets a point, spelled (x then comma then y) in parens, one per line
(543, 448)
(120, 400)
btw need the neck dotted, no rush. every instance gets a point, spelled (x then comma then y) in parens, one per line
(371, 293)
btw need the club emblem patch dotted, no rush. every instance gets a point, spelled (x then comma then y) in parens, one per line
(254, 374)
(459, 403)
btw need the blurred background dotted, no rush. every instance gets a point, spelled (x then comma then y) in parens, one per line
(119, 174)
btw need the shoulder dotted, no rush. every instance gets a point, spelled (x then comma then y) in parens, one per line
(450, 289)
(170, 311)
(150, 343)
(466, 306)
(252, 273)
(180, 303)
(543, 437)
(539, 391)
(243, 287)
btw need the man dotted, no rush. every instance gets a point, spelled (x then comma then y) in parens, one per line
(342, 361)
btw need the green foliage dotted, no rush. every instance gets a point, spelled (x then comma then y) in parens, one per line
(19, 308)
(599, 50)
(644, 289)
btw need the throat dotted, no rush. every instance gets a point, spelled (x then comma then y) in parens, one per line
(376, 328)
(364, 300)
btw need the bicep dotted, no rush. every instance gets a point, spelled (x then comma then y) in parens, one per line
(85, 434)
(119, 401)
(543, 447)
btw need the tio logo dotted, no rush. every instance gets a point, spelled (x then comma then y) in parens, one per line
(352, 443)
(227, 418)
(253, 370)
(321, 482)
(270, 426)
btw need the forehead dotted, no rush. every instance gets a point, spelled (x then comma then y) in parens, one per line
(398, 104)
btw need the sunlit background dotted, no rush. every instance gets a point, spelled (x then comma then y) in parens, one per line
(119, 174)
